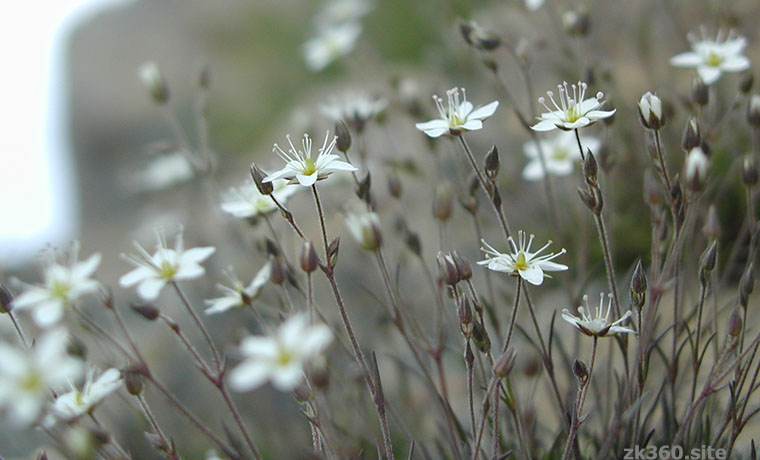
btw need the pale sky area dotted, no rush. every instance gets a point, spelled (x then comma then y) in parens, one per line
(37, 184)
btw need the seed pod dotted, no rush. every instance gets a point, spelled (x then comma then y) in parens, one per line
(505, 363)
(492, 163)
(203, 75)
(480, 337)
(343, 141)
(278, 271)
(707, 263)
(496, 197)
(309, 258)
(699, 93)
(447, 269)
(734, 324)
(587, 198)
(463, 266)
(745, 85)
(133, 381)
(332, 251)
(464, 313)
(443, 202)
(272, 248)
(638, 286)
(154, 82)
(265, 188)
(363, 189)
(580, 370)
(146, 310)
(590, 169)
(711, 229)
(412, 241)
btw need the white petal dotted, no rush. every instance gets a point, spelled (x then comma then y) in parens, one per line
(149, 288)
(136, 276)
(432, 124)
(473, 125)
(552, 267)
(189, 271)
(48, 313)
(196, 255)
(248, 375)
(336, 166)
(258, 347)
(31, 297)
(88, 267)
(307, 181)
(288, 377)
(708, 74)
(316, 339)
(544, 125)
(735, 64)
(599, 114)
(485, 111)
(533, 274)
(221, 304)
(533, 171)
(689, 59)
(436, 132)
(560, 168)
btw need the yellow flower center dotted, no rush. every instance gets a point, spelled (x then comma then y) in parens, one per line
(521, 263)
(309, 167)
(60, 289)
(559, 154)
(283, 357)
(714, 60)
(167, 270)
(31, 381)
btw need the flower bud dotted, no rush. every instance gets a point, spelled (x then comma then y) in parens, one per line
(469, 203)
(145, 310)
(443, 202)
(343, 137)
(265, 188)
(302, 392)
(332, 251)
(412, 241)
(692, 136)
(576, 22)
(272, 248)
(746, 285)
(394, 186)
(734, 323)
(638, 286)
(133, 381)
(6, 299)
(707, 262)
(277, 275)
(745, 85)
(365, 228)
(711, 229)
(464, 313)
(699, 93)
(463, 267)
(492, 164)
(309, 258)
(42, 455)
(580, 370)
(696, 169)
(590, 169)
(650, 111)
(505, 363)
(480, 337)
(478, 37)
(749, 171)
(153, 80)
(447, 269)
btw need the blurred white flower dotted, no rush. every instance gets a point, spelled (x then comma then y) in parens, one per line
(573, 111)
(163, 172)
(560, 152)
(711, 57)
(650, 111)
(246, 202)
(238, 294)
(332, 43)
(212, 455)
(598, 325)
(26, 377)
(696, 167)
(458, 116)
(63, 285)
(72, 405)
(521, 262)
(341, 12)
(365, 228)
(300, 168)
(355, 108)
(152, 272)
(533, 5)
(280, 357)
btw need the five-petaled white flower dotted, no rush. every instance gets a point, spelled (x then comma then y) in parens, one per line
(458, 116)
(560, 153)
(280, 357)
(238, 294)
(530, 266)
(74, 404)
(333, 42)
(300, 168)
(711, 57)
(355, 108)
(27, 376)
(152, 272)
(598, 325)
(573, 111)
(246, 202)
(365, 228)
(64, 284)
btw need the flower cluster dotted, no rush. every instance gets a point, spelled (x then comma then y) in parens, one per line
(713, 56)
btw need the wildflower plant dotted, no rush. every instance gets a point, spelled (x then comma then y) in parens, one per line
(440, 334)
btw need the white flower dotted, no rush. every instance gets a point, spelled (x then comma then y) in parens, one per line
(365, 228)
(528, 265)
(533, 5)
(598, 325)
(246, 202)
(355, 108)
(163, 172)
(63, 285)
(573, 111)
(650, 110)
(152, 272)
(697, 164)
(72, 405)
(560, 152)
(238, 294)
(711, 57)
(333, 42)
(280, 357)
(300, 168)
(26, 377)
(341, 12)
(458, 116)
